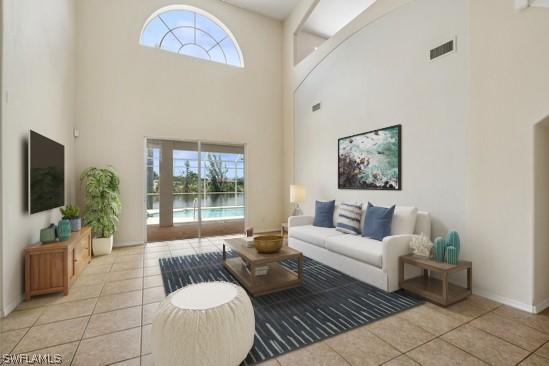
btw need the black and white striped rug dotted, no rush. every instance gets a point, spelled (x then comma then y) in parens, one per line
(328, 303)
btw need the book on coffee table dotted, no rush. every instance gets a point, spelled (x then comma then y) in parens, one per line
(259, 271)
(249, 242)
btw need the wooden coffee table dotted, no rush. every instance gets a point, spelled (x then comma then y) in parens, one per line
(278, 278)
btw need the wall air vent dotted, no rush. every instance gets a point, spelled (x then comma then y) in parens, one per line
(443, 49)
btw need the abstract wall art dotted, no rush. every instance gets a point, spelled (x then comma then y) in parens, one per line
(371, 160)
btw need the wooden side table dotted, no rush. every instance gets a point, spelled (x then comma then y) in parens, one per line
(440, 292)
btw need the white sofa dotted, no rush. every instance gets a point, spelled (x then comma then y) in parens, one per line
(371, 261)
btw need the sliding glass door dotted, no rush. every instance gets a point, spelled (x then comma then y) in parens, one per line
(183, 205)
(222, 183)
(194, 189)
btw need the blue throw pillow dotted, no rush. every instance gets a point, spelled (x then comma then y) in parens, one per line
(324, 214)
(377, 223)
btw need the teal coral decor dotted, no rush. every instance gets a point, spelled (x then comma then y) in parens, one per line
(47, 235)
(439, 248)
(452, 239)
(64, 229)
(451, 255)
(447, 247)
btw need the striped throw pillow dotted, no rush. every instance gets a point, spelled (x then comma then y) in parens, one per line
(348, 220)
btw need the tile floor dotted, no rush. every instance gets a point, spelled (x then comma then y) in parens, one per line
(106, 320)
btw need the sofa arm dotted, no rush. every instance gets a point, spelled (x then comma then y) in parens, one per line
(300, 221)
(393, 247)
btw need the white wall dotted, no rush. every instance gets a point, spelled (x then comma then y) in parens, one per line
(305, 44)
(509, 95)
(127, 92)
(37, 93)
(1, 168)
(541, 212)
(382, 76)
(302, 9)
(293, 75)
(502, 218)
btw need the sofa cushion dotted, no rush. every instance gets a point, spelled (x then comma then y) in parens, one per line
(324, 214)
(377, 222)
(363, 249)
(404, 220)
(313, 234)
(348, 218)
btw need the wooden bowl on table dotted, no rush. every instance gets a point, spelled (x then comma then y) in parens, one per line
(268, 244)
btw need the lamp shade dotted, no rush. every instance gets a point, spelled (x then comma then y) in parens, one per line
(297, 193)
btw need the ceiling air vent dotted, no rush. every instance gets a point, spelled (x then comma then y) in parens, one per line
(443, 49)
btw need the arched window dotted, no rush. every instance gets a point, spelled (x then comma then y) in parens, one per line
(192, 32)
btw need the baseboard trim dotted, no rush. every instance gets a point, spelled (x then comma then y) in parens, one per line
(11, 307)
(540, 306)
(507, 301)
(127, 243)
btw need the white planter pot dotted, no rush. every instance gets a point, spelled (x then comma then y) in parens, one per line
(102, 246)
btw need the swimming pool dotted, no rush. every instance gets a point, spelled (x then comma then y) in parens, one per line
(208, 213)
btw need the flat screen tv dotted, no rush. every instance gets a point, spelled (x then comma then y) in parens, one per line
(46, 173)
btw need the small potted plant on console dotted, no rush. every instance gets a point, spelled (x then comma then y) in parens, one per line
(72, 213)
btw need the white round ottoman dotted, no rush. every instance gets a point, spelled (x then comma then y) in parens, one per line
(209, 323)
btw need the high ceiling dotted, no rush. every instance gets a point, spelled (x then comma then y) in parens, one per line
(277, 9)
(328, 17)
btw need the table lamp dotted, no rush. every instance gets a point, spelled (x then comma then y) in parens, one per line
(297, 196)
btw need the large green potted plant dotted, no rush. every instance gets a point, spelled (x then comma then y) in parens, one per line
(102, 189)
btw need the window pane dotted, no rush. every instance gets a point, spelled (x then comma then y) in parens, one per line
(184, 35)
(186, 154)
(153, 176)
(191, 34)
(204, 40)
(153, 33)
(195, 51)
(178, 18)
(233, 58)
(170, 43)
(217, 55)
(210, 27)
